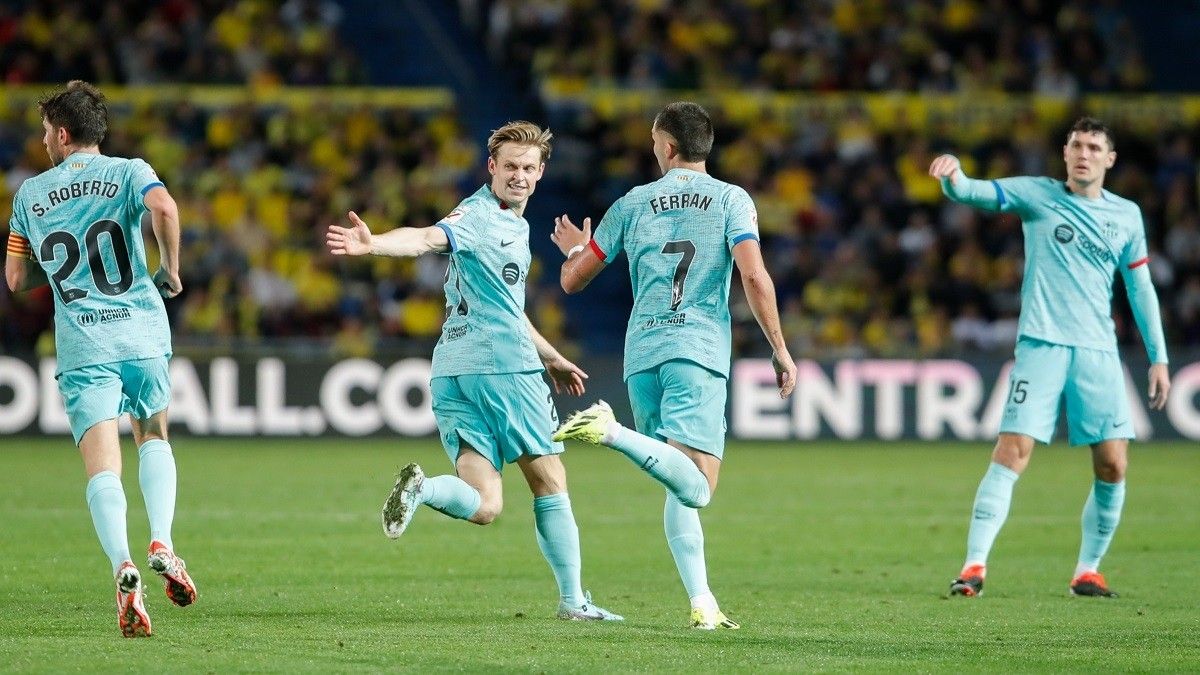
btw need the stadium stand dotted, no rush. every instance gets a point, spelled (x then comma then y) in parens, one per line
(868, 257)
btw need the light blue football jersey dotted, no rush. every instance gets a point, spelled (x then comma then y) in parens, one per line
(1073, 248)
(83, 220)
(678, 233)
(485, 330)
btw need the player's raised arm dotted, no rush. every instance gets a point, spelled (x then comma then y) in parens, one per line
(403, 242)
(957, 186)
(164, 221)
(580, 266)
(566, 376)
(760, 293)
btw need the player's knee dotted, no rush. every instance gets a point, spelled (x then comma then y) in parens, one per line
(489, 510)
(696, 499)
(1012, 452)
(1111, 469)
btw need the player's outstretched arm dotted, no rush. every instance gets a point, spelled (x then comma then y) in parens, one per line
(164, 220)
(1139, 286)
(581, 266)
(958, 187)
(403, 242)
(566, 376)
(760, 293)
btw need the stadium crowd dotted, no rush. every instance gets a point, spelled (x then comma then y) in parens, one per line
(1049, 47)
(257, 42)
(867, 255)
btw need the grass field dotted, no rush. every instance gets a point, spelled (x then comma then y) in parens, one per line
(833, 557)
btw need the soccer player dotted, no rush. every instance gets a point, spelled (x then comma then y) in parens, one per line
(81, 222)
(491, 403)
(1077, 234)
(682, 234)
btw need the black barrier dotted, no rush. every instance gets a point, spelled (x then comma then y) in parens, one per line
(886, 399)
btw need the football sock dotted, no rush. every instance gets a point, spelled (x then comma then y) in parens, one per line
(991, 508)
(451, 495)
(106, 501)
(685, 537)
(1101, 513)
(558, 537)
(156, 475)
(665, 464)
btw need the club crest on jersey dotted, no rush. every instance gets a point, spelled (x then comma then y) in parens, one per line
(1110, 229)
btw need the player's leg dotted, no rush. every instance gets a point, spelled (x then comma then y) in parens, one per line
(92, 396)
(690, 414)
(1030, 413)
(156, 474)
(101, 450)
(558, 536)
(520, 410)
(660, 460)
(1099, 415)
(474, 494)
(1101, 515)
(147, 389)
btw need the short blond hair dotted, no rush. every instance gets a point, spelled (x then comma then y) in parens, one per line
(521, 133)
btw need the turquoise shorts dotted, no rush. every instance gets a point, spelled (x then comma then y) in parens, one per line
(682, 401)
(1091, 381)
(93, 394)
(502, 417)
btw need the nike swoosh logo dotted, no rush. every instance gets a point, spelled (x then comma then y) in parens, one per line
(1121, 424)
(506, 243)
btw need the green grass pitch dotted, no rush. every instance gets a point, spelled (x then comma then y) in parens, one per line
(833, 556)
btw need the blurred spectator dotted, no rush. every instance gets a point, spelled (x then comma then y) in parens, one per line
(933, 46)
(260, 42)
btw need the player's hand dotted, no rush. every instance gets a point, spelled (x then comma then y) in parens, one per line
(785, 373)
(945, 166)
(168, 284)
(567, 236)
(353, 240)
(1160, 386)
(567, 377)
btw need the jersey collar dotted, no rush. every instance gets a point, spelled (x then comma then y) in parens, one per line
(488, 188)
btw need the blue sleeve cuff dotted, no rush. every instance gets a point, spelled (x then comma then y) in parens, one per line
(999, 195)
(743, 237)
(151, 186)
(449, 235)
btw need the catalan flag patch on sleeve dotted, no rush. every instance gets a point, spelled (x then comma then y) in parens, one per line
(19, 246)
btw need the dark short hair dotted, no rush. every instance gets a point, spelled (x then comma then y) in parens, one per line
(80, 109)
(690, 126)
(1093, 125)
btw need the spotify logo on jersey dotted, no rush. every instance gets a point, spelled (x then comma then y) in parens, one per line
(511, 274)
(1064, 234)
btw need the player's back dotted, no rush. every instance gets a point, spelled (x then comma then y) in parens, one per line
(83, 222)
(678, 233)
